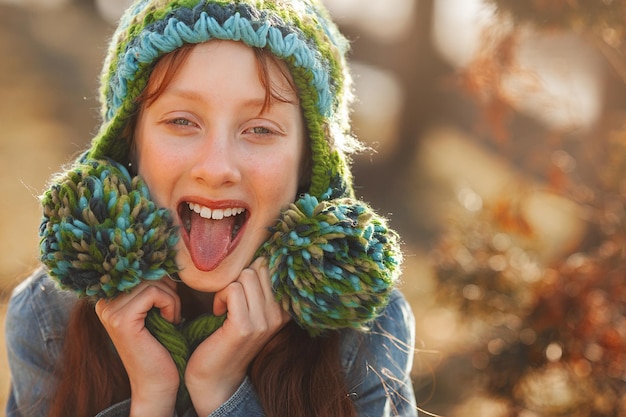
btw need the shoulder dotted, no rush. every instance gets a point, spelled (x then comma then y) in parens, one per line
(36, 319)
(39, 305)
(392, 333)
(397, 318)
(378, 361)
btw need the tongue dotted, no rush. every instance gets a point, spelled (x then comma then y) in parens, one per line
(209, 241)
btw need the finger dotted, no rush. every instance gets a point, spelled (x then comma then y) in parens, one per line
(265, 312)
(170, 308)
(101, 305)
(231, 299)
(260, 266)
(246, 317)
(122, 299)
(170, 282)
(255, 298)
(167, 301)
(138, 302)
(276, 312)
(250, 280)
(170, 287)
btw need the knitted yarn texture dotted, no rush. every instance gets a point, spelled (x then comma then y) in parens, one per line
(333, 261)
(101, 233)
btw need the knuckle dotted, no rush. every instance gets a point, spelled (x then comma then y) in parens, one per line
(275, 311)
(262, 328)
(245, 330)
(247, 275)
(103, 310)
(115, 322)
(151, 290)
(234, 289)
(235, 286)
(100, 306)
(110, 319)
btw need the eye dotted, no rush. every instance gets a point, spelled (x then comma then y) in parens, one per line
(263, 129)
(260, 130)
(181, 121)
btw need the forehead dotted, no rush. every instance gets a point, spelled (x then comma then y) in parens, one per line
(230, 64)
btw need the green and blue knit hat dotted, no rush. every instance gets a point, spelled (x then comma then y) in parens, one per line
(298, 32)
(333, 261)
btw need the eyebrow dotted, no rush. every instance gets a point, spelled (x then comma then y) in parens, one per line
(254, 102)
(187, 94)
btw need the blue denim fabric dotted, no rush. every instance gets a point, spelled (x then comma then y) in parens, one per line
(377, 363)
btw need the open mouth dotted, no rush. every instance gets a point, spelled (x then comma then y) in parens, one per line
(210, 233)
(237, 213)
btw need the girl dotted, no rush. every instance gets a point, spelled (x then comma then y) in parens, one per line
(248, 280)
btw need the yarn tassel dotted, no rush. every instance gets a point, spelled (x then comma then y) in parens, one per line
(101, 234)
(332, 263)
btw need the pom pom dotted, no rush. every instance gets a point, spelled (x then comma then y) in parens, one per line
(333, 263)
(101, 234)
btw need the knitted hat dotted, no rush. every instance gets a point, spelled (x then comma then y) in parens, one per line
(333, 261)
(299, 32)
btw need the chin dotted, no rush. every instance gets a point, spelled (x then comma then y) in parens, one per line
(208, 281)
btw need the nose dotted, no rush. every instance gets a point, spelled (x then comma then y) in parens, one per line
(216, 162)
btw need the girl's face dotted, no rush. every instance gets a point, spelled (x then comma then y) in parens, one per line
(221, 161)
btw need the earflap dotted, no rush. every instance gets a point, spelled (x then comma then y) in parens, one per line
(333, 263)
(101, 234)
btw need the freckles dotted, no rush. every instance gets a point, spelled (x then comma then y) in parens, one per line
(148, 166)
(151, 163)
(284, 165)
(275, 178)
(285, 179)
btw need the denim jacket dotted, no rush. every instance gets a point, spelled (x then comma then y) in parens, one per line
(377, 363)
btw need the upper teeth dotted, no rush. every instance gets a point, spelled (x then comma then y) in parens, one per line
(216, 214)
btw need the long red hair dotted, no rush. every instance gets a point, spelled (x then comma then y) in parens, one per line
(293, 375)
(91, 375)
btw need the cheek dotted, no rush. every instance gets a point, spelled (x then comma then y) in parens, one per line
(150, 163)
(276, 178)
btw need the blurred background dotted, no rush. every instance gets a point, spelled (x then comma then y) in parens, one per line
(499, 133)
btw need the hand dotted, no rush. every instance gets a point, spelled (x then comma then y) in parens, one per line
(218, 365)
(152, 373)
